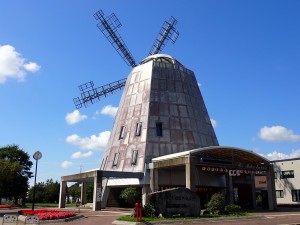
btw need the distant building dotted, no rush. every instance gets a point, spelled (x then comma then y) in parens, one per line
(287, 181)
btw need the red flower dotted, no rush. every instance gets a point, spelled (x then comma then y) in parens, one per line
(48, 214)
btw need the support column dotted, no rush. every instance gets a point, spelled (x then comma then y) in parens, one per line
(229, 189)
(62, 194)
(145, 191)
(190, 174)
(153, 180)
(97, 192)
(83, 193)
(252, 178)
(271, 188)
(105, 192)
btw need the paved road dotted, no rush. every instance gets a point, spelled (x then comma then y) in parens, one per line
(107, 216)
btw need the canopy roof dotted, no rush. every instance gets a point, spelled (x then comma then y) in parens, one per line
(221, 153)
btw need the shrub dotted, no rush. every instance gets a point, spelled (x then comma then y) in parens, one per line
(129, 195)
(148, 210)
(232, 209)
(216, 203)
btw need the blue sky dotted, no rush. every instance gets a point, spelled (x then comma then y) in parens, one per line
(245, 55)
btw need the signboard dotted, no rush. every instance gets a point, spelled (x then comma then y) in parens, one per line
(231, 172)
(98, 193)
(260, 181)
(287, 174)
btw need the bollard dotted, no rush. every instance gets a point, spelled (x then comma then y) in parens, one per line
(141, 210)
(137, 211)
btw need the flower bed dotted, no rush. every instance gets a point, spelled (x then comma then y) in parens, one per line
(2, 206)
(48, 214)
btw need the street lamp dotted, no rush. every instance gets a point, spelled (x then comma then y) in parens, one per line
(37, 155)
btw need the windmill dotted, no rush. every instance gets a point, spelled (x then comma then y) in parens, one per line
(161, 110)
(108, 26)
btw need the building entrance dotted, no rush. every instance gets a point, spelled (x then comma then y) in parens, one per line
(242, 195)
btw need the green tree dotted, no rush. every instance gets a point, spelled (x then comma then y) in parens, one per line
(51, 191)
(74, 191)
(89, 192)
(14, 186)
(45, 192)
(9, 172)
(129, 195)
(39, 195)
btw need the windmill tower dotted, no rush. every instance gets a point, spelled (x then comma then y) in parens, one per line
(161, 110)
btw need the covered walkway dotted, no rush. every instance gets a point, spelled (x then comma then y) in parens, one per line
(92, 177)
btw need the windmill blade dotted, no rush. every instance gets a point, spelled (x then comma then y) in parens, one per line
(108, 26)
(167, 32)
(90, 95)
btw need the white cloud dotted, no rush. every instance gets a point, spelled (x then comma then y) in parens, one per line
(78, 155)
(108, 110)
(75, 117)
(92, 143)
(276, 155)
(66, 164)
(213, 122)
(13, 65)
(32, 67)
(277, 133)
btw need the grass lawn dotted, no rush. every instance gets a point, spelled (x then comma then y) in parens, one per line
(133, 219)
(50, 205)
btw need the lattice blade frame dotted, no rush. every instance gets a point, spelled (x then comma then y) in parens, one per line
(108, 26)
(90, 95)
(167, 32)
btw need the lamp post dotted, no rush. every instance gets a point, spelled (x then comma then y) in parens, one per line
(37, 155)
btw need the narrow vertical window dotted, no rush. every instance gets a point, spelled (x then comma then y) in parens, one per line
(138, 129)
(279, 193)
(122, 132)
(159, 129)
(103, 163)
(115, 162)
(134, 157)
(296, 195)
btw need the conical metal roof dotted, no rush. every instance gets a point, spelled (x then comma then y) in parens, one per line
(160, 58)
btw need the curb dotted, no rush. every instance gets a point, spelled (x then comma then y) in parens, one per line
(22, 218)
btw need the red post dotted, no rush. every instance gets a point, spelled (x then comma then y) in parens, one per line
(141, 210)
(137, 211)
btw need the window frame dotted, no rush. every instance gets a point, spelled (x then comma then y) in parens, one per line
(138, 129)
(279, 194)
(296, 195)
(122, 132)
(159, 129)
(116, 159)
(134, 157)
